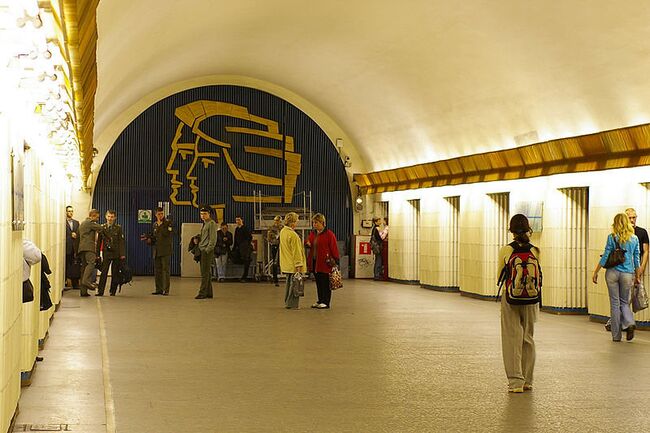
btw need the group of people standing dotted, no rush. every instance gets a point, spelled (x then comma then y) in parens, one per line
(323, 256)
(517, 320)
(85, 242)
(620, 279)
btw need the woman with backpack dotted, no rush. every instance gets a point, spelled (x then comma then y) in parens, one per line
(520, 271)
(620, 277)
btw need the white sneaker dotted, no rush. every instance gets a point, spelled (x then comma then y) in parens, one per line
(322, 306)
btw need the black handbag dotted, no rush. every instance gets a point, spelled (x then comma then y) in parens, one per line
(28, 291)
(74, 270)
(616, 257)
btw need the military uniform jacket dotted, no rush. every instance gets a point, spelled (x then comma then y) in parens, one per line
(88, 230)
(163, 234)
(111, 242)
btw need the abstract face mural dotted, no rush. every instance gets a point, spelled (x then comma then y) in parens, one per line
(222, 146)
(215, 139)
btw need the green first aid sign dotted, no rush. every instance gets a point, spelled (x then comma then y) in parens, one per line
(144, 216)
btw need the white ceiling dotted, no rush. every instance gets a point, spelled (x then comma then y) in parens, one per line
(408, 82)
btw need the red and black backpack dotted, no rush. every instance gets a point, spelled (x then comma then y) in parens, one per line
(522, 276)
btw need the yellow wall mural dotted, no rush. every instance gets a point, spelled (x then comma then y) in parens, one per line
(193, 147)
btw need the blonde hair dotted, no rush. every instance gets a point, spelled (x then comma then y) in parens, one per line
(319, 217)
(622, 228)
(291, 218)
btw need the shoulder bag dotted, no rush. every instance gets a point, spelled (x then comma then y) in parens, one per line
(639, 298)
(616, 256)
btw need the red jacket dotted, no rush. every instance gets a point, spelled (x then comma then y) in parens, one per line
(325, 246)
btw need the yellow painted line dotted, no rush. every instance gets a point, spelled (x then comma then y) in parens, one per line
(109, 404)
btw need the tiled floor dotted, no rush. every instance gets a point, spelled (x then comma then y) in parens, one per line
(386, 358)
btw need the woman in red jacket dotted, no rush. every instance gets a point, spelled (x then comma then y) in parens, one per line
(323, 255)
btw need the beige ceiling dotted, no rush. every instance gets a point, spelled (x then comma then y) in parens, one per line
(408, 82)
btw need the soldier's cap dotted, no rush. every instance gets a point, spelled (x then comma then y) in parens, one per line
(205, 209)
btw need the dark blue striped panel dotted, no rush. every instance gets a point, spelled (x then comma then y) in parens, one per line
(133, 174)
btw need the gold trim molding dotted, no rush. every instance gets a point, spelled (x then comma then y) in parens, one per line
(618, 148)
(79, 18)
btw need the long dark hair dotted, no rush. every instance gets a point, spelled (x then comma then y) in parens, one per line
(520, 228)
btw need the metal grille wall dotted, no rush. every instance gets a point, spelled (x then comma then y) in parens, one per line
(216, 145)
(496, 223)
(573, 248)
(415, 236)
(452, 234)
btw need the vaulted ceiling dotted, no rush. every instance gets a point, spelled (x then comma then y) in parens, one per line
(408, 82)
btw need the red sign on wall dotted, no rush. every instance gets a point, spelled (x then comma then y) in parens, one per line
(364, 248)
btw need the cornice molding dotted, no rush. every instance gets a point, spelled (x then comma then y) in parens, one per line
(79, 19)
(618, 148)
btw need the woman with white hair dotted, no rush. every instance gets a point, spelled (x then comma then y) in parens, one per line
(292, 257)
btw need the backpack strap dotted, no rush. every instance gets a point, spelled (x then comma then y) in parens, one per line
(518, 248)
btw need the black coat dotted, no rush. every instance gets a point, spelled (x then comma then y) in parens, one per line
(46, 301)
(243, 239)
(224, 241)
(71, 245)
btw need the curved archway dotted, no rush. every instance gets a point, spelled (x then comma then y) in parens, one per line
(220, 145)
(105, 137)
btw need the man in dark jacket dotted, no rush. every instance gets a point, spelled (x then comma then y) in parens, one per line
(111, 243)
(243, 239)
(72, 266)
(88, 230)
(162, 251)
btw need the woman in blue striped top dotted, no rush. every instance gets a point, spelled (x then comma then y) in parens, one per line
(621, 278)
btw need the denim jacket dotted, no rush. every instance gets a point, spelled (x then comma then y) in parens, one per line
(631, 248)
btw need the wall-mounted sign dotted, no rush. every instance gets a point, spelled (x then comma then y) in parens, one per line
(144, 216)
(364, 260)
(534, 212)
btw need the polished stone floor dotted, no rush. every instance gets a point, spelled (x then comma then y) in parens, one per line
(386, 358)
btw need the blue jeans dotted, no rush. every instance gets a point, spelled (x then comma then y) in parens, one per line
(290, 300)
(379, 269)
(619, 285)
(222, 260)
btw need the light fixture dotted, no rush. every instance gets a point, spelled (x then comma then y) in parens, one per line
(359, 200)
(35, 20)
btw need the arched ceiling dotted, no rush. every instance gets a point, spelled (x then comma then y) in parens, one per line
(410, 82)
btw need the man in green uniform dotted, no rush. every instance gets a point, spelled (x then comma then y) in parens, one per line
(88, 231)
(162, 251)
(111, 242)
(206, 247)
